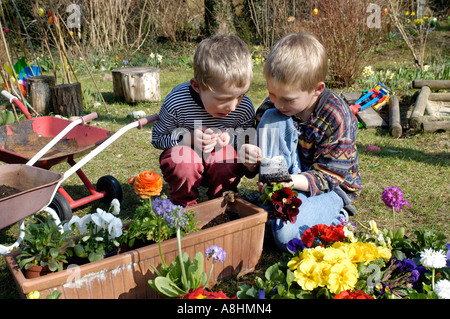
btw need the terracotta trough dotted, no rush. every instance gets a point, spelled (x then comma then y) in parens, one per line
(126, 275)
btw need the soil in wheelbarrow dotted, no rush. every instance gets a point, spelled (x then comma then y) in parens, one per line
(6, 191)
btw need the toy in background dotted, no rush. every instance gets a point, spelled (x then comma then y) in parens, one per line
(375, 98)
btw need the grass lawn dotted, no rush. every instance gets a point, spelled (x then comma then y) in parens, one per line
(418, 163)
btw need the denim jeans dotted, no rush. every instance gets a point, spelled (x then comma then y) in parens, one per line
(277, 135)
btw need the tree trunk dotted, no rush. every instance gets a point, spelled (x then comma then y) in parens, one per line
(39, 93)
(136, 84)
(67, 99)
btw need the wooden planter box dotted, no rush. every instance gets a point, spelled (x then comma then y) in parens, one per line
(126, 275)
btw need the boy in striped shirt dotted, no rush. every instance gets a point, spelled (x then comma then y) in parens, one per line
(315, 132)
(199, 121)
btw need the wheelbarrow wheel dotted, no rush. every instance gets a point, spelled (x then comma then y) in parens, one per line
(111, 187)
(61, 206)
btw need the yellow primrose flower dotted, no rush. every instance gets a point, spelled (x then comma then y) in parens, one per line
(34, 295)
(318, 253)
(407, 13)
(343, 276)
(307, 274)
(426, 67)
(324, 270)
(334, 256)
(293, 263)
(384, 252)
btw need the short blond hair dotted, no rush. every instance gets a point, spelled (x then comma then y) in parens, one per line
(297, 59)
(223, 59)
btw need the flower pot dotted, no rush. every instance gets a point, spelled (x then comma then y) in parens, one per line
(36, 271)
(126, 275)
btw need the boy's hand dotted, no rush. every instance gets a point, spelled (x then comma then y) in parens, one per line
(223, 139)
(251, 156)
(205, 140)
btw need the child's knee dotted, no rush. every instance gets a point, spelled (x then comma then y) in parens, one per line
(181, 162)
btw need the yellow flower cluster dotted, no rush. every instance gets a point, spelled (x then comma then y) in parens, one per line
(334, 267)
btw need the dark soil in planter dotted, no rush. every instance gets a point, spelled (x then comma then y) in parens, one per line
(225, 217)
(6, 191)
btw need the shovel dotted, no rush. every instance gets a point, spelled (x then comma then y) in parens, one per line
(274, 170)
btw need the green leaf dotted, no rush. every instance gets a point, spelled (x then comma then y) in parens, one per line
(195, 271)
(79, 251)
(166, 287)
(94, 256)
(54, 252)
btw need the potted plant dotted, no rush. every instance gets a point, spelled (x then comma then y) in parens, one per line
(98, 233)
(45, 247)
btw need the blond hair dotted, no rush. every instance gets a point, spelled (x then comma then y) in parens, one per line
(223, 59)
(297, 59)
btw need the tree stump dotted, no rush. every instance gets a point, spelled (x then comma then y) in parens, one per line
(39, 93)
(67, 99)
(136, 84)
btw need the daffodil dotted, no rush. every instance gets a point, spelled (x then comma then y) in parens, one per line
(373, 227)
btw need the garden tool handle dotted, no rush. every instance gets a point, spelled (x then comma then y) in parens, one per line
(147, 120)
(8, 96)
(89, 117)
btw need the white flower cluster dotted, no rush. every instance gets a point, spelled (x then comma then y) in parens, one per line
(102, 220)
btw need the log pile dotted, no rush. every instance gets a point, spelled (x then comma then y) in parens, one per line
(431, 111)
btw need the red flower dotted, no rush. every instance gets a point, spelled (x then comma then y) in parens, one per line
(285, 205)
(282, 195)
(357, 294)
(326, 234)
(200, 293)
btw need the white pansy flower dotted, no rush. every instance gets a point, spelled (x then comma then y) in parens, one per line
(83, 222)
(68, 226)
(115, 204)
(115, 228)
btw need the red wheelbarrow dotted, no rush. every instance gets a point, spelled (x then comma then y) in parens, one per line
(20, 141)
(36, 187)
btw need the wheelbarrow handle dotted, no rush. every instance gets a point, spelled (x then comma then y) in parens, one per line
(147, 120)
(12, 99)
(89, 117)
(107, 142)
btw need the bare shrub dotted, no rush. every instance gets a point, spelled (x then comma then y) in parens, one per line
(341, 26)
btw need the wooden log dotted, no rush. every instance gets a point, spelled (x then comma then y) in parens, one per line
(395, 127)
(436, 126)
(67, 99)
(117, 84)
(39, 92)
(432, 84)
(443, 97)
(419, 107)
(136, 84)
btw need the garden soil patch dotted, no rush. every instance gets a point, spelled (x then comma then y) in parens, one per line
(6, 191)
(225, 217)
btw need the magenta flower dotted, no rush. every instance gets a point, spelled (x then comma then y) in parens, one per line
(393, 198)
(372, 148)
